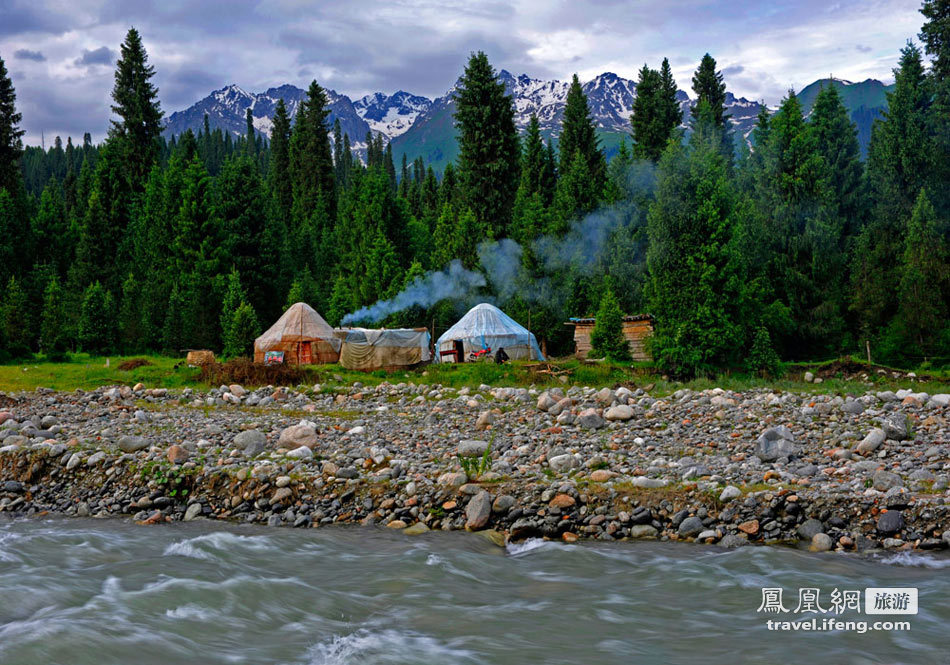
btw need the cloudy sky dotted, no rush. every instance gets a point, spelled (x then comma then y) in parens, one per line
(61, 53)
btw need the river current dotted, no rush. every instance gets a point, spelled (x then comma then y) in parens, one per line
(99, 592)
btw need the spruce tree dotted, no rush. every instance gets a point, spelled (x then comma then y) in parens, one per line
(579, 134)
(900, 164)
(695, 287)
(671, 113)
(136, 103)
(922, 314)
(130, 318)
(11, 144)
(15, 319)
(96, 330)
(250, 144)
(233, 297)
(607, 339)
(279, 176)
(647, 119)
(52, 325)
(311, 158)
(710, 88)
(242, 331)
(173, 329)
(488, 144)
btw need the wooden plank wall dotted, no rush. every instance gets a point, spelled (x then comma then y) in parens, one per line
(636, 333)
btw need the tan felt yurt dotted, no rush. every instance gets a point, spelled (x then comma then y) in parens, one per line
(367, 350)
(302, 335)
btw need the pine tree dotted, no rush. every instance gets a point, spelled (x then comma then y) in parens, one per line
(131, 316)
(763, 359)
(900, 164)
(922, 314)
(607, 339)
(647, 119)
(51, 237)
(710, 88)
(96, 321)
(11, 145)
(836, 138)
(935, 34)
(233, 298)
(52, 333)
(279, 176)
(137, 105)
(242, 331)
(341, 301)
(15, 319)
(311, 158)
(671, 112)
(489, 154)
(695, 286)
(250, 144)
(173, 330)
(579, 134)
(239, 207)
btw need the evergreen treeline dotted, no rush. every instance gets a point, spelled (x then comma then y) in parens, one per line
(794, 248)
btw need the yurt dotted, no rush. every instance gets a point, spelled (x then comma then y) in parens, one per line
(367, 350)
(485, 329)
(302, 336)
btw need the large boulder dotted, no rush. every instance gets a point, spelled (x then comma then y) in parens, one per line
(546, 401)
(605, 396)
(302, 434)
(478, 511)
(619, 412)
(873, 441)
(472, 448)
(590, 419)
(562, 463)
(251, 437)
(131, 444)
(896, 427)
(776, 443)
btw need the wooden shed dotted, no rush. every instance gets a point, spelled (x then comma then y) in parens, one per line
(636, 328)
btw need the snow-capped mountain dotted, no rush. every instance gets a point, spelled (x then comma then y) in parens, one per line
(418, 126)
(391, 115)
(226, 109)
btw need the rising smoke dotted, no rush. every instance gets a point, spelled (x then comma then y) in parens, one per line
(454, 282)
(583, 250)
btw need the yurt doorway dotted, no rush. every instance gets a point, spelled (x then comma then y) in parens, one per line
(304, 356)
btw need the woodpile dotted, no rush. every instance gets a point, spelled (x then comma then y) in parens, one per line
(199, 358)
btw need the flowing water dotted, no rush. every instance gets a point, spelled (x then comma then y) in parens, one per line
(102, 592)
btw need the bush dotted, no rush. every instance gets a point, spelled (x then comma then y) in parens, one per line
(763, 359)
(607, 340)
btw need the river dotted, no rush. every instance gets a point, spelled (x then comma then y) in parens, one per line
(76, 591)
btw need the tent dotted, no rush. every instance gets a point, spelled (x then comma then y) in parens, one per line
(302, 335)
(487, 327)
(368, 350)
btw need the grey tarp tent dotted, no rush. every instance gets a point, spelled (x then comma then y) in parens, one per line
(487, 327)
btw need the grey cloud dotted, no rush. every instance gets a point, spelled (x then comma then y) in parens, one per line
(184, 86)
(863, 49)
(25, 16)
(100, 56)
(27, 54)
(733, 70)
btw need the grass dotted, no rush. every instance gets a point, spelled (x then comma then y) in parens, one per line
(87, 373)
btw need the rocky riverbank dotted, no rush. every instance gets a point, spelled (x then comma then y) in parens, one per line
(827, 472)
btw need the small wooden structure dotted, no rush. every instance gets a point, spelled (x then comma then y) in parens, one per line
(636, 328)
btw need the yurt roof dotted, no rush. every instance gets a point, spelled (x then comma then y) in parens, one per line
(300, 323)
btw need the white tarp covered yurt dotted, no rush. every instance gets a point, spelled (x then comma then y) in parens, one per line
(367, 350)
(487, 327)
(302, 335)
